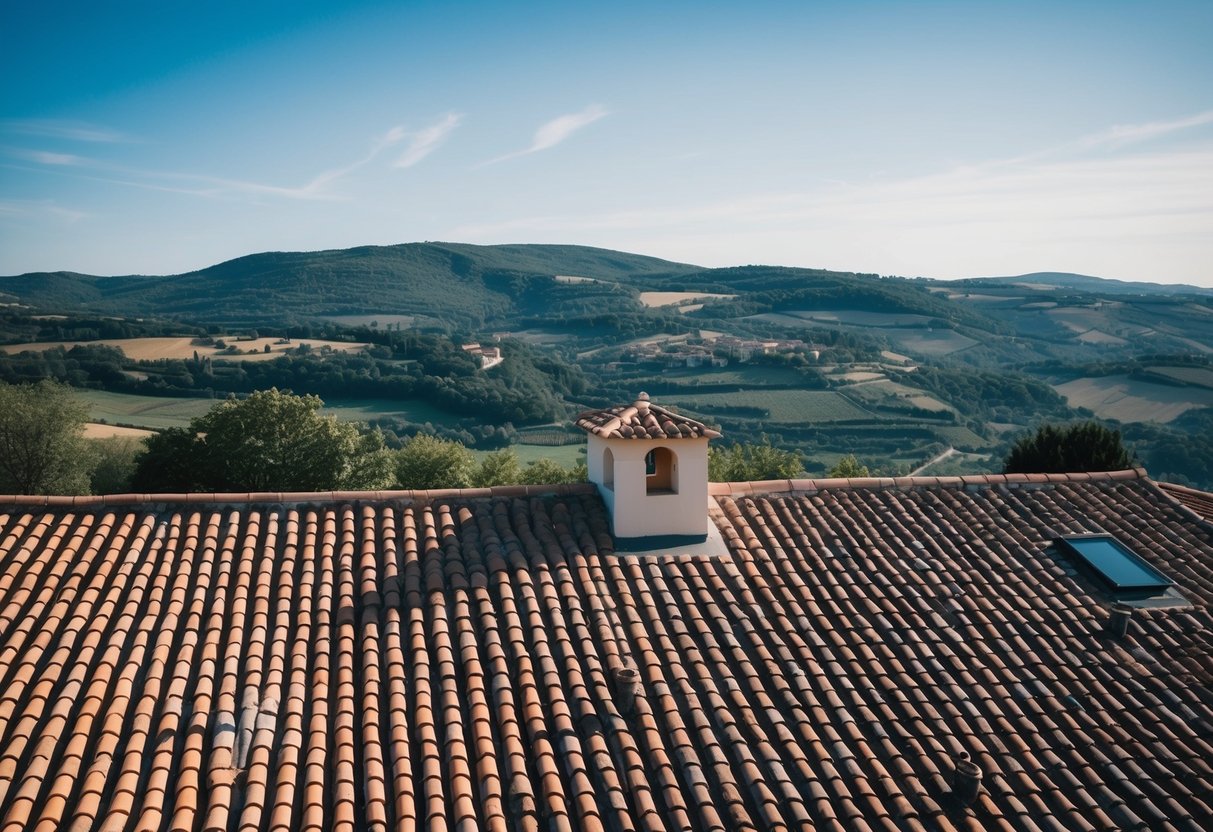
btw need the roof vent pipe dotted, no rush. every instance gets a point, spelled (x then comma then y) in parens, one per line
(966, 780)
(627, 682)
(1117, 625)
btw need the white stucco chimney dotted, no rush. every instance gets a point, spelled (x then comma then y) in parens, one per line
(651, 468)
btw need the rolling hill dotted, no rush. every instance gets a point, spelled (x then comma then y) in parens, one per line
(463, 283)
(1087, 283)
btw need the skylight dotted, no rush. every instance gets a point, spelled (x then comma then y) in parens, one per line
(1111, 561)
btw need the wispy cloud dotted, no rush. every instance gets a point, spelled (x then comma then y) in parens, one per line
(32, 208)
(427, 140)
(48, 157)
(1137, 213)
(1122, 134)
(556, 131)
(319, 187)
(76, 131)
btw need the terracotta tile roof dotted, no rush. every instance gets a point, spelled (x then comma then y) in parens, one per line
(1201, 502)
(642, 420)
(461, 661)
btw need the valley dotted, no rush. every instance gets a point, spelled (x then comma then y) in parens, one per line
(903, 373)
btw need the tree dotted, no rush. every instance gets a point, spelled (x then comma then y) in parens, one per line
(847, 467)
(114, 464)
(42, 444)
(172, 460)
(1082, 446)
(743, 462)
(549, 472)
(270, 441)
(429, 462)
(498, 468)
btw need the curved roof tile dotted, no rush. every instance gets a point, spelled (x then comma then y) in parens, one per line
(642, 420)
(459, 661)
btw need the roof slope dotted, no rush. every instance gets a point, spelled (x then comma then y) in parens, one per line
(642, 420)
(1200, 502)
(449, 660)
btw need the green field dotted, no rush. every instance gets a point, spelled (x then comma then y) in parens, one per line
(961, 437)
(783, 405)
(566, 455)
(361, 410)
(742, 375)
(891, 394)
(1133, 400)
(143, 411)
(1199, 376)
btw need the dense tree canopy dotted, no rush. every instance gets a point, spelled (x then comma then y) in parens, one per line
(1083, 446)
(742, 462)
(270, 441)
(848, 467)
(429, 462)
(42, 444)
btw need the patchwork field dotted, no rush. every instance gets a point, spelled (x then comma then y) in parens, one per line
(783, 405)
(855, 317)
(748, 375)
(1094, 336)
(157, 412)
(905, 332)
(1199, 376)
(929, 342)
(883, 392)
(655, 299)
(152, 349)
(1133, 400)
(96, 430)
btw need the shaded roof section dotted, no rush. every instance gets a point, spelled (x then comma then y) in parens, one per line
(642, 420)
(1200, 502)
(453, 661)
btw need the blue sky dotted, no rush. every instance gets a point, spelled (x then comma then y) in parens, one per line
(937, 139)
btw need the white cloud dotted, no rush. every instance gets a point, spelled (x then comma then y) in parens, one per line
(556, 131)
(71, 130)
(1122, 134)
(45, 157)
(28, 208)
(1141, 215)
(196, 184)
(427, 140)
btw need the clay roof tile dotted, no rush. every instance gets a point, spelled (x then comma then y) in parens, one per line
(642, 420)
(451, 655)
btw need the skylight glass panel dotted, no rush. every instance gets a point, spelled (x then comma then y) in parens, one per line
(1113, 562)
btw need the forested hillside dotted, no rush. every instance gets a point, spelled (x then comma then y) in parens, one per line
(504, 344)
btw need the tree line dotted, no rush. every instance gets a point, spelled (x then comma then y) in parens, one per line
(277, 441)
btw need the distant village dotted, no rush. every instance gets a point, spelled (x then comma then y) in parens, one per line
(714, 351)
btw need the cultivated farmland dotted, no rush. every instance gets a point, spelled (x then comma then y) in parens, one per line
(96, 430)
(1198, 376)
(1133, 400)
(792, 406)
(156, 412)
(154, 349)
(655, 299)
